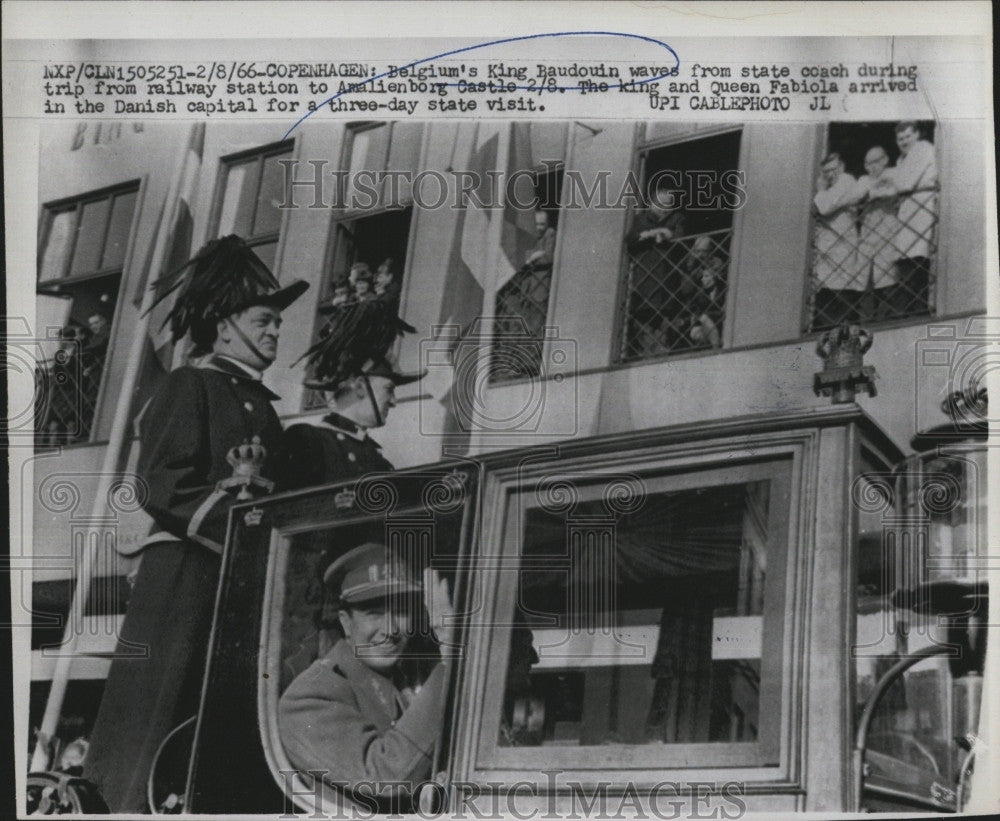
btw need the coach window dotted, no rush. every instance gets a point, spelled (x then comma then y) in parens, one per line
(367, 253)
(251, 189)
(422, 520)
(875, 233)
(643, 627)
(678, 252)
(522, 302)
(81, 256)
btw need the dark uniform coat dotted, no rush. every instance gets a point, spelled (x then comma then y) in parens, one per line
(193, 420)
(330, 451)
(352, 723)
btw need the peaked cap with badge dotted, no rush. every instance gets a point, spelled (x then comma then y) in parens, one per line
(369, 573)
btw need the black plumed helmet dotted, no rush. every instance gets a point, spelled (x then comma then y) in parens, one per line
(356, 341)
(224, 278)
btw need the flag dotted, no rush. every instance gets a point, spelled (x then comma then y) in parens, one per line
(517, 236)
(493, 235)
(469, 276)
(178, 243)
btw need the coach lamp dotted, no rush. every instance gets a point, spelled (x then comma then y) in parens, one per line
(844, 370)
(934, 546)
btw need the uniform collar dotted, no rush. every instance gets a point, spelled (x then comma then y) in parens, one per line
(369, 686)
(231, 367)
(346, 426)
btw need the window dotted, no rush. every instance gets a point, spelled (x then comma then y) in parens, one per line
(80, 260)
(367, 243)
(640, 620)
(678, 249)
(875, 224)
(522, 303)
(251, 191)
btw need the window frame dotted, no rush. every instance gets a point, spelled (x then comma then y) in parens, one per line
(476, 754)
(51, 209)
(390, 498)
(342, 221)
(643, 147)
(934, 269)
(65, 284)
(258, 154)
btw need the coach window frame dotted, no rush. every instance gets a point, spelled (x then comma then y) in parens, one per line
(784, 458)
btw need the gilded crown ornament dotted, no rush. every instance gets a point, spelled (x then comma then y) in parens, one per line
(247, 461)
(844, 371)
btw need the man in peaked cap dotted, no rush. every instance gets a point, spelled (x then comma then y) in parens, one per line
(203, 425)
(352, 366)
(352, 715)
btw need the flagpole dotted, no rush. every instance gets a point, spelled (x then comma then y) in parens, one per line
(109, 470)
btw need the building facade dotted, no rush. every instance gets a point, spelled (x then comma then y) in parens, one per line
(611, 335)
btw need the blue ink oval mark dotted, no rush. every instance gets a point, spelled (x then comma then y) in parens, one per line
(356, 86)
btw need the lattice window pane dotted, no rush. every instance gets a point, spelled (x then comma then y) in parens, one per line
(676, 296)
(522, 306)
(873, 262)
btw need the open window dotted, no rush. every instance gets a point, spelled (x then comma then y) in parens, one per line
(81, 256)
(678, 253)
(277, 618)
(370, 235)
(875, 234)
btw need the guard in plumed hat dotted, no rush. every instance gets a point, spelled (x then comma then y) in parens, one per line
(353, 367)
(354, 715)
(208, 438)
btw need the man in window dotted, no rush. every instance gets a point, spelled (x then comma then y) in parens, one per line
(659, 290)
(356, 715)
(878, 246)
(915, 178)
(95, 352)
(204, 428)
(835, 269)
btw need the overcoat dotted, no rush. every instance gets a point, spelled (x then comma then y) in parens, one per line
(353, 724)
(185, 433)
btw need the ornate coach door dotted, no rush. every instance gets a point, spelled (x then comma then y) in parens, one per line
(274, 618)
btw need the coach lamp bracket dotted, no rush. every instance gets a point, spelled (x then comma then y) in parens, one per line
(844, 371)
